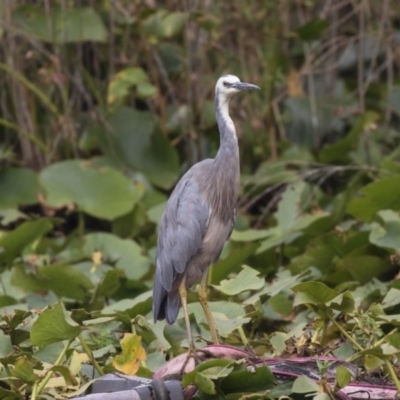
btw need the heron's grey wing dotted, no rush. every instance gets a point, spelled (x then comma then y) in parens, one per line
(183, 226)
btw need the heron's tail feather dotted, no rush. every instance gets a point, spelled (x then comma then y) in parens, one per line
(172, 306)
(165, 305)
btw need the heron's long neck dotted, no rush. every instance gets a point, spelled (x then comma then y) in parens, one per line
(228, 153)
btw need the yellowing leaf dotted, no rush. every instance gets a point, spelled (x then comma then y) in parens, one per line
(97, 257)
(132, 354)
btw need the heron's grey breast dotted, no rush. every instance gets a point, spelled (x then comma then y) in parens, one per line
(217, 234)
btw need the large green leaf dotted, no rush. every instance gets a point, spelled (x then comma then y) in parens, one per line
(131, 139)
(381, 195)
(247, 279)
(313, 293)
(122, 82)
(18, 186)
(387, 233)
(103, 193)
(163, 24)
(53, 277)
(61, 24)
(339, 151)
(13, 243)
(52, 327)
(125, 254)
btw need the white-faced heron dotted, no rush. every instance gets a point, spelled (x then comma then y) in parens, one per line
(198, 219)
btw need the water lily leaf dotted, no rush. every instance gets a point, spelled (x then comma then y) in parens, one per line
(52, 327)
(12, 244)
(103, 193)
(247, 279)
(18, 186)
(132, 354)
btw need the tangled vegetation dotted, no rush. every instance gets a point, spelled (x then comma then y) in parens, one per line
(105, 104)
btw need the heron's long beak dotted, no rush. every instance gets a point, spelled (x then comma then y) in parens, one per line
(244, 86)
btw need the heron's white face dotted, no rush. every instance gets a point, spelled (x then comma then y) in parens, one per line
(228, 85)
(224, 84)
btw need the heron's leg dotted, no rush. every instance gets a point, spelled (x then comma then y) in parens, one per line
(183, 295)
(207, 312)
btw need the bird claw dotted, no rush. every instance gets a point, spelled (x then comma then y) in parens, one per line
(193, 353)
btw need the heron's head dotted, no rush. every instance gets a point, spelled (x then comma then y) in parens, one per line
(229, 85)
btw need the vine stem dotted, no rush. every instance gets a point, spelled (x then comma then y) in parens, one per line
(344, 333)
(49, 374)
(90, 354)
(34, 391)
(393, 375)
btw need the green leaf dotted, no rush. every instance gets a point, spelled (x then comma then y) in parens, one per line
(233, 262)
(109, 284)
(386, 234)
(133, 140)
(18, 186)
(343, 377)
(52, 327)
(340, 150)
(163, 24)
(14, 243)
(344, 302)
(53, 277)
(247, 279)
(125, 254)
(303, 384)
(23, 370)
(244, 380)
(216, 368)
(364, 268)
(250, 235)
(123, 81)
(201, 381)
(5, 345)
(61, 25)
(103, 193)
(289, 206)
(313, 293)
(377, 196)
(391, 299)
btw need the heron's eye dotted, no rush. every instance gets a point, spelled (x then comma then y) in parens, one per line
(226, 84)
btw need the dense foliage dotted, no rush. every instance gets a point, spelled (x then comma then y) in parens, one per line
(105, 104)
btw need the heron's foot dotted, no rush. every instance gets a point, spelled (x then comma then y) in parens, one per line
(198, 355)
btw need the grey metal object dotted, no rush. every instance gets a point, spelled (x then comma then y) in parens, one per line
(198, 219)
(123, 387)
